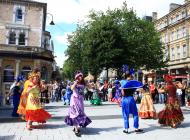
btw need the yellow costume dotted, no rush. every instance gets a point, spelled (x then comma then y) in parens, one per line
(34, 111)
(146, 109)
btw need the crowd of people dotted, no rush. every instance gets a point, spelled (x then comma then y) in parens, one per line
(29, 97)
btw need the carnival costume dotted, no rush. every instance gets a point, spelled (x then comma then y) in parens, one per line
(76, 115)
(34, 111)
(128, 102)
(67, 96)
(96, 98)
(171, 115)
(116, 92)
(16, 99)
(146, 109)
(24, 96)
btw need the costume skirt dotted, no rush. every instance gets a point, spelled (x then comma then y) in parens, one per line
(171, 114)
(146, 109)
(38, 115)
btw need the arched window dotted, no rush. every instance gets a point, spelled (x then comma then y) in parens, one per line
(8, 74)
(12, 38)
(21, 40)
(44, 73)
(19, 14)
(25, 70)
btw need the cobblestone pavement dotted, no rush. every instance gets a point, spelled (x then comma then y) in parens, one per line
(107, 123)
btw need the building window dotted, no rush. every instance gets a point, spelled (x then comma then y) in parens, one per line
(12, 38)
(21, 40)
(178, 52)
(177, 17)
(172, 36)
(25, 70)
(44, 73)
(184, 31)
(184, 51)
(171, 20)
(19, 14)
(8, 74)
(178, 34)
(172, 54)
(183, 14)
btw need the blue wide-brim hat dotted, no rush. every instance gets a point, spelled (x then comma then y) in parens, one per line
(131, 84)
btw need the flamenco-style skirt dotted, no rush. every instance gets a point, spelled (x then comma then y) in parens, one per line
(38, 115)
(171, 114)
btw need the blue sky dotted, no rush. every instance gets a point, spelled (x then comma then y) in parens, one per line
(67, 13)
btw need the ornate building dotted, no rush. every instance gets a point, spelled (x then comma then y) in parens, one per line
(24, 42)
(174, 29)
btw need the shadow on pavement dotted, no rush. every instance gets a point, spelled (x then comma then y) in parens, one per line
(7, 137)
(54, 126)
(95, 131)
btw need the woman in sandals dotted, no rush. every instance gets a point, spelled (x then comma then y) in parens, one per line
(76, 116)
(34, 111)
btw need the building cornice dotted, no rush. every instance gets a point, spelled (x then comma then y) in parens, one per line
(172, 12)
(24, 2)
(25, 55)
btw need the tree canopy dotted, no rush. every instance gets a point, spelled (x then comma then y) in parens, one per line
(113, 38)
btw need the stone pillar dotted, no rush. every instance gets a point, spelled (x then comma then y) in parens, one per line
(17, 68)
(1, 84)
(1, 76)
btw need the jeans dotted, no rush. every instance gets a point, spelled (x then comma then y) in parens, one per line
(162, 98)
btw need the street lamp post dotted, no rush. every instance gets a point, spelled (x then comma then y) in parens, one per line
(51, 23)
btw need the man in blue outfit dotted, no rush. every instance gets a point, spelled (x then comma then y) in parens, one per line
(129, 106)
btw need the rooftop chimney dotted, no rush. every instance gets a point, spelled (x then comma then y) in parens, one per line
(174, 6)
(186, 1)
(154, 16)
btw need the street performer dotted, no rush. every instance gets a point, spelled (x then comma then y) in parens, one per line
(171, 115)
(34, 111)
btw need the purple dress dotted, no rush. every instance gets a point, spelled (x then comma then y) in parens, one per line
(76, 115)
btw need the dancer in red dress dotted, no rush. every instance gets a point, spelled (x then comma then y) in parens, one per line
(171, 115)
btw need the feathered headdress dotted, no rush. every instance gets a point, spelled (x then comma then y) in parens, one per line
(35, 74)
(126, 70)
(168, 78)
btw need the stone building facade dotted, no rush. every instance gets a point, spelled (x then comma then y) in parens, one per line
(24, 42)
(174, 29)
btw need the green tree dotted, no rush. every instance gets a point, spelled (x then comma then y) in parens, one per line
(114, 38)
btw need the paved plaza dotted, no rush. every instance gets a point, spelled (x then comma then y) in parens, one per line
(107, 123)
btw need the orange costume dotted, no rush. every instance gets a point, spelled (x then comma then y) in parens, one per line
(23, 99)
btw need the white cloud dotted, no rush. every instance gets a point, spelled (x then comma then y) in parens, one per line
(72, 11)
(63, 38)
(60, 58)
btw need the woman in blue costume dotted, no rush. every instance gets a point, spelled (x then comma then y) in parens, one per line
(67, 96)
(128, 104)
(117, 92)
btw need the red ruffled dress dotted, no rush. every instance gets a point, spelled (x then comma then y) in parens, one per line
(34, 111)
(172, 113)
